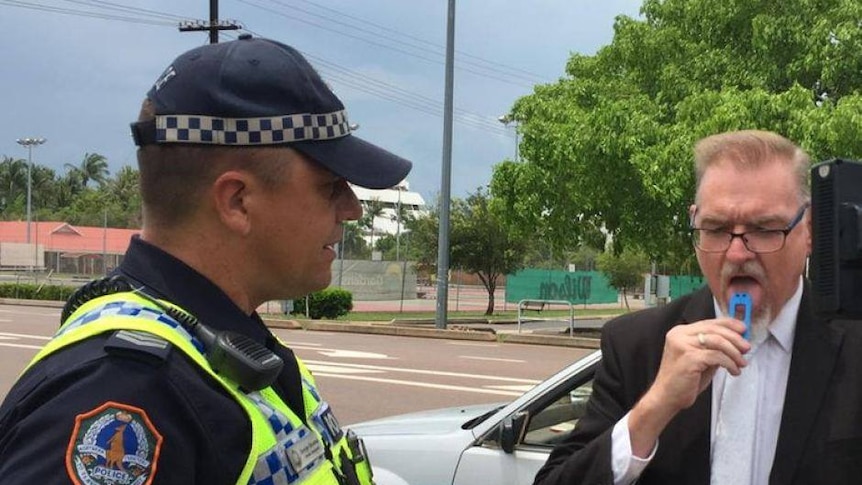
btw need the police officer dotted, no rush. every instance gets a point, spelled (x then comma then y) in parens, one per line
(165, 373)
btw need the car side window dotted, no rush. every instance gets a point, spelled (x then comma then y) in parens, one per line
(550, 425)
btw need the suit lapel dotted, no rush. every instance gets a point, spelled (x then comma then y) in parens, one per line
(815, 349)
(692, 426)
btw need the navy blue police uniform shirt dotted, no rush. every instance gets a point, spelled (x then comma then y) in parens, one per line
(98, 413)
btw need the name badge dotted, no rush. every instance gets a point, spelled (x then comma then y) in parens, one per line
(304, 452)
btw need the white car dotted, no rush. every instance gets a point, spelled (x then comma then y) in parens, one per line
(502, 444)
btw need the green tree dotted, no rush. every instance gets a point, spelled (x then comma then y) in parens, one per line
(13, 186)
(93, 167)
(370, 212)
(423, 242)
(43, 185)
(386, 245)
(479, 242)
(624, 271)
(609, 145)
(123, 190)
(354, 244)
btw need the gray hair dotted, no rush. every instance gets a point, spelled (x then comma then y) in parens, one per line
(750, 149)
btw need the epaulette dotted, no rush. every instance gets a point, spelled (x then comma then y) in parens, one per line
(135, 343)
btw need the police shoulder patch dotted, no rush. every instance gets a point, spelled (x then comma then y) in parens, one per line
(113, 444)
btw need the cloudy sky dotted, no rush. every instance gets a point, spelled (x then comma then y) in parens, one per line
(75, 71)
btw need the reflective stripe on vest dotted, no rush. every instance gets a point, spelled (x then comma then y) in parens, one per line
(283, 451)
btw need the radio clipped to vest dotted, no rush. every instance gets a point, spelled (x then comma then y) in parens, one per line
(232, 355)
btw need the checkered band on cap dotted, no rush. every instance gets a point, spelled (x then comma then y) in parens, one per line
(272, 130)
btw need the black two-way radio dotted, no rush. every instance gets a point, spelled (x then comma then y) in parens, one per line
(836, 256)
(231, 355)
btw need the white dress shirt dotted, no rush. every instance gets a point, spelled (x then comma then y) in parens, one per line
(774, 369)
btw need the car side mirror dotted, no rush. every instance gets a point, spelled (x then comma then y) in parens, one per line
(510, 431)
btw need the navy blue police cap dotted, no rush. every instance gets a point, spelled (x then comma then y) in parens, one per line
(259, 92)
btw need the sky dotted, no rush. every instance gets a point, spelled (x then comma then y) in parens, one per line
(75, 71)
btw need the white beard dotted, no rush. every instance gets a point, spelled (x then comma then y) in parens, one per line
(760, 326)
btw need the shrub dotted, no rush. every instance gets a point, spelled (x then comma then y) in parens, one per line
(326, 303)
(29, 291)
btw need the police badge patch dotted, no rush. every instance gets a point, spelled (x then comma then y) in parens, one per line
(113, 444)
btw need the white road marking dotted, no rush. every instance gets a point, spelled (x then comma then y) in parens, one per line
(29, 313)
(338, 369)
(292, 344)
(495, 359)
(428, 372)
(421, 384)
(21, 346)
(352, 354)
(24, 335)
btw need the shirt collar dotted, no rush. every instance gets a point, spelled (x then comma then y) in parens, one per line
(783, 325)
(168, 277)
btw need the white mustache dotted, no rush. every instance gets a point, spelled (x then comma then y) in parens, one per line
(748, 268)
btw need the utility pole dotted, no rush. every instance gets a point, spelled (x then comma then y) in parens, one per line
(214, 26)
(29, 143)
(446, 178)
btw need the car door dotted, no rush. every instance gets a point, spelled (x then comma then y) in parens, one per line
(529, 430)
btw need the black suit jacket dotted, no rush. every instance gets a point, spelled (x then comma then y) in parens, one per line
(820, 438)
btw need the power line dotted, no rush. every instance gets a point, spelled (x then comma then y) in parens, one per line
(434, 49)
(517, 82)
(83, 13)
(395, 94)
(334, 71)
(402, 96)
(535, 77)
(128, 9)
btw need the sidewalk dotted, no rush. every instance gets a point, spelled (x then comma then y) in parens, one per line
(466, 299)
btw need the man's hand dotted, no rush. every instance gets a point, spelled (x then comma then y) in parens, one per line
(692, 354)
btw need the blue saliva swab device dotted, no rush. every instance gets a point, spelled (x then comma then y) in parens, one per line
(740, 308)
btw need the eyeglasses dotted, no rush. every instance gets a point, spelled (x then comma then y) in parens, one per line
(758, 241)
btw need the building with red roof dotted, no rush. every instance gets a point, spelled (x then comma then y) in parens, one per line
(62, 248)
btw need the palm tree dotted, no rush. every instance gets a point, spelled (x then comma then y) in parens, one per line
(93, 167)
(43, 187)
(402, 215)
(124, 190)
(13, 178)
(372, 210)
(353, 246)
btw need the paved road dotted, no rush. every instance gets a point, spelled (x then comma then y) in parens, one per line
(363, 376)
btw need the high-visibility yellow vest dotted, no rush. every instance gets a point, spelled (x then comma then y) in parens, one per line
(283, 449)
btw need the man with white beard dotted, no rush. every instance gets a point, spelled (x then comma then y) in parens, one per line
(681, 396)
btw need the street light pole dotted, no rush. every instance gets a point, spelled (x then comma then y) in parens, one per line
(509, 119)
(399, 188)
(29, 143)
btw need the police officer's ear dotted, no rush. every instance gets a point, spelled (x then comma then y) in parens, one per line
(231, 195)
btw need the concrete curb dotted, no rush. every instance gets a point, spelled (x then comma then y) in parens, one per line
(452, 334)
(393, 329)
(456, 320)
(45, 303)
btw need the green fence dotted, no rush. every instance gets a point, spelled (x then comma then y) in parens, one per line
(575, 287)
(583, 287)
(683, 285)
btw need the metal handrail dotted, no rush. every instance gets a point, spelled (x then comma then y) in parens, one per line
(525, 302)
